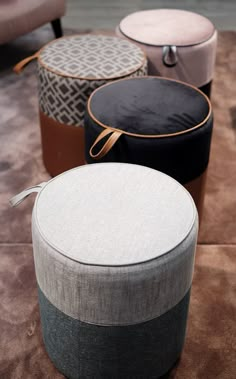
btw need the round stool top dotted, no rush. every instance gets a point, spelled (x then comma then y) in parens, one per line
(92, 57)
(149, 106)
(114, 214)
(167, 27)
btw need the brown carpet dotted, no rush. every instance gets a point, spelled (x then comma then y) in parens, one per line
(210, 348)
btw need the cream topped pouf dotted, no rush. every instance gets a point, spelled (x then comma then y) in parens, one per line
(114, 249)
(179, 44)
(69, 69)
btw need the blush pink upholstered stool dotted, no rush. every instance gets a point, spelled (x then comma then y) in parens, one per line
(179, 44)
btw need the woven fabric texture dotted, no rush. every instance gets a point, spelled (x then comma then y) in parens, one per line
(83, 351)
(92, 57)
(113, 214)
(114, 260)
(64, 99)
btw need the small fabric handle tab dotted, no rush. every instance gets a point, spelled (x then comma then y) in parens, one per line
(114, 136)
(16, 200)
(169, 56)
(19, 66)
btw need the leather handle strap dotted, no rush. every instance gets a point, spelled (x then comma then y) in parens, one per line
(19, 66)
(110, 142)
(16, 200)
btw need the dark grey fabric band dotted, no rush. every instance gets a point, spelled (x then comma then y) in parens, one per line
(83, 351)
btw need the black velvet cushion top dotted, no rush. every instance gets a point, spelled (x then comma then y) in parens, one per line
(149, 106)
(145, 109)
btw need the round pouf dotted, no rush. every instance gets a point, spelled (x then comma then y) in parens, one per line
(114, 252)
(155, 122)
(179, 44)
(69, 69)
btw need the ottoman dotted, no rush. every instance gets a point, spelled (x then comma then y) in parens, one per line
(179, 44)
(114, 249)
(155, 122)
(69, 69)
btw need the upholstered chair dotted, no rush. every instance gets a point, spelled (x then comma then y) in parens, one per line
(18, 17)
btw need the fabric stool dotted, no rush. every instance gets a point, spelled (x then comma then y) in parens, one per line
(179, 44)
(69, 69)
(114, 252)
(155, 122)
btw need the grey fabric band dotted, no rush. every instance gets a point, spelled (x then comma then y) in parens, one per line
(84, 351)
(114, 295)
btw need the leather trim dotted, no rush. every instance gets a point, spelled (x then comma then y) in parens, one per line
(150, 135)
(62, 145)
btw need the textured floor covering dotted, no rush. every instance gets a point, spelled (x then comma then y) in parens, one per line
(210, 348)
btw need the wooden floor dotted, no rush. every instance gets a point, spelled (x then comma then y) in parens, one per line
(106, 14)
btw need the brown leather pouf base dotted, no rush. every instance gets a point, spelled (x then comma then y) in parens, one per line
(197, 190)
(62, 145)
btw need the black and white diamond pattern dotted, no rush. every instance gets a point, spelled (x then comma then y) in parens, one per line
(64, 98)
(92, 56)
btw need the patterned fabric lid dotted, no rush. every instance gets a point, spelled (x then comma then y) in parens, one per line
(162, 27)
(114, 214)
(92, 57)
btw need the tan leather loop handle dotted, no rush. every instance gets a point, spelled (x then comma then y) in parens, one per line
(19, 66)
(115, 135)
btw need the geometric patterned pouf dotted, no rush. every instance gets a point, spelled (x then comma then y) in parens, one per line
(179, 44)
(152, 121)
(69, 69)
(114, 248)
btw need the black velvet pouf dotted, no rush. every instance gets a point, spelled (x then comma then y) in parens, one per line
(160, 123)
